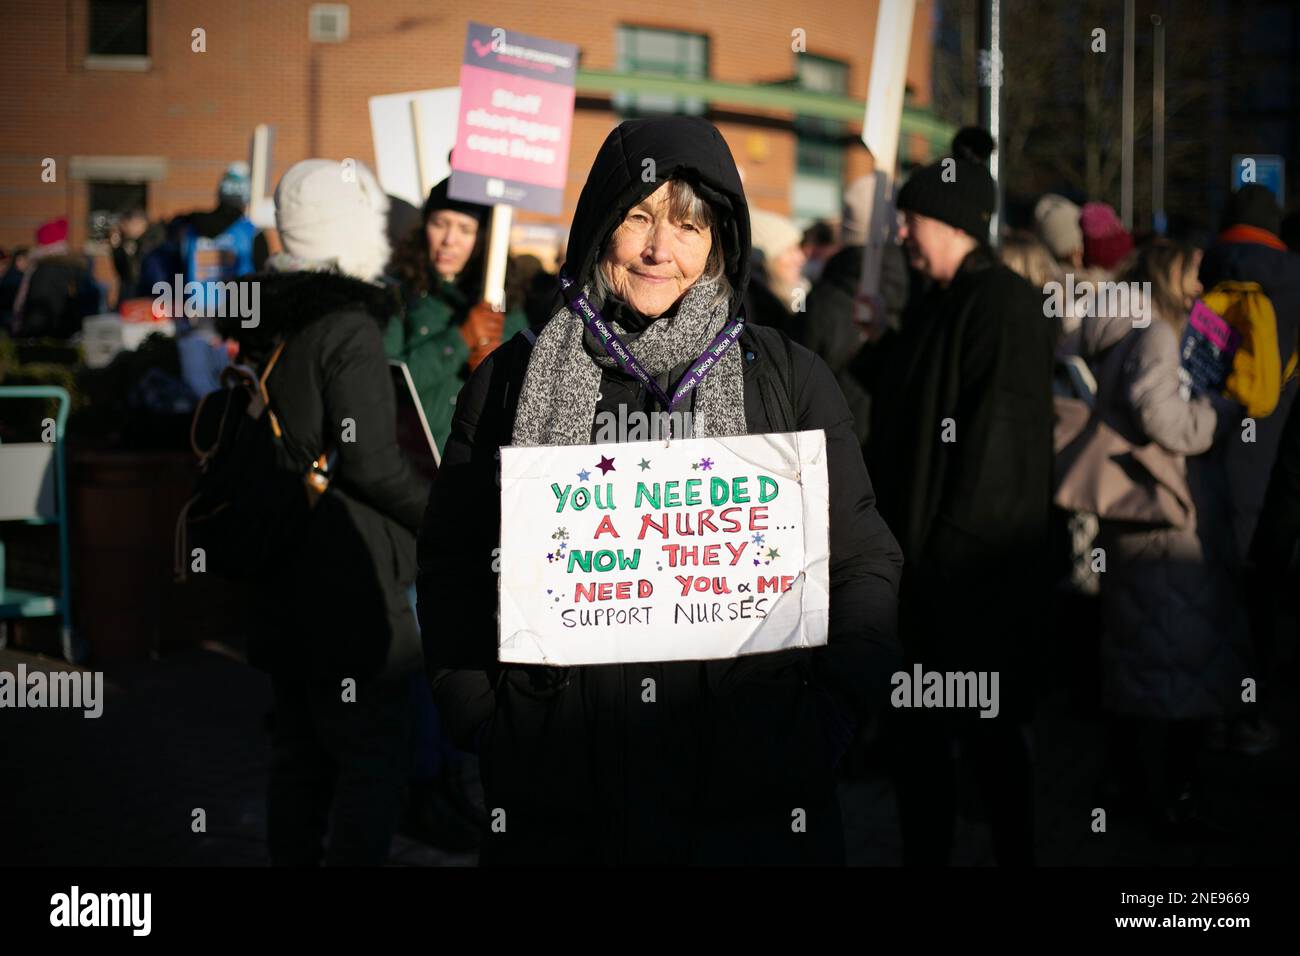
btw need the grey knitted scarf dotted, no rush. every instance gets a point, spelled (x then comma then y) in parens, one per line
(557, 405)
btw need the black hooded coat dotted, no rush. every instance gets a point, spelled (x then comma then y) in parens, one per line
(719, 766)
(338, 605)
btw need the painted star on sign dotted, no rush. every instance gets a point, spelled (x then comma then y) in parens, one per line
(644, 464)
(584, 475)
(606, 465)
(773, 554)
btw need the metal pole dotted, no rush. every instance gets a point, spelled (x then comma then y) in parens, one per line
(1158, 221)
(1126, 147)
(990, 115)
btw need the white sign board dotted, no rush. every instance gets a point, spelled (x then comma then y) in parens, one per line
(888, 82)
(413, 135)
(28, 488)
(103, 336)
(880, 131)
(694, 549)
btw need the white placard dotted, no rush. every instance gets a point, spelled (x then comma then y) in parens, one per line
(881, 123)
(694, 549)
(409, 162)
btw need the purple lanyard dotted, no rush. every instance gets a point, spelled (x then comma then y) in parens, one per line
(620, 353)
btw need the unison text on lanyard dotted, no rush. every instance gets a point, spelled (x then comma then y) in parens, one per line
(619, 352)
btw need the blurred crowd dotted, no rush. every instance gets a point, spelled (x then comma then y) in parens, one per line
(953, 347)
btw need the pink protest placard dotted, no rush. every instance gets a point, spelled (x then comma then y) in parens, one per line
(515, 120)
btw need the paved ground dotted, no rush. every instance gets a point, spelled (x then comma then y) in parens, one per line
(188, 731)
(184, 732)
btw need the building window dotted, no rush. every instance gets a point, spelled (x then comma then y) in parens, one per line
(327, 22)
(661, 53)
(817, 189)
(119, 28)
(107, 201)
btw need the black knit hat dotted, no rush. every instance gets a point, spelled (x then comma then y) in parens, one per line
(438, 199)
(974, 143)
(1253, 205)
(956, 191)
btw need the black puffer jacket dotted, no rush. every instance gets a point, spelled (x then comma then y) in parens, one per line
(340, 605)
(1276, 548)
(716, 768)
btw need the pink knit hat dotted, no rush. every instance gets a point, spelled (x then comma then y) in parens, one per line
(48, 233)
(1105, 241)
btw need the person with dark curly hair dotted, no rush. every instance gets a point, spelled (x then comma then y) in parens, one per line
(444, 331)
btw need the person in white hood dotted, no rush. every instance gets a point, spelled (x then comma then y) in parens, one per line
(332, 215)
(334, 623)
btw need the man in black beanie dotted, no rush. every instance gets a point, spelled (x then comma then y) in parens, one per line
(960, 449)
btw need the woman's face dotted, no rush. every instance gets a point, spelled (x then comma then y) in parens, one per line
(1191, 280)
(650, 261)
(451, 241)
(787, 268)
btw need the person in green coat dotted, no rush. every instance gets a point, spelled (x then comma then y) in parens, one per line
(442, 333)
(444, 330)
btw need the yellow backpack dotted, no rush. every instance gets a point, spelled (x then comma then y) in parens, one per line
(1257, 375)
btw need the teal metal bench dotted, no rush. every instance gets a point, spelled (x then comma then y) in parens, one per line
(33, 490)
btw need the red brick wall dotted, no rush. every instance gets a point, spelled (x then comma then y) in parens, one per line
(198, 110)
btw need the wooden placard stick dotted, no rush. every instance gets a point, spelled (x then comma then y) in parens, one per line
(880, 132)
(498, 251)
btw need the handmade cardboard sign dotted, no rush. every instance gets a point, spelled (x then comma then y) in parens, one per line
(693, 549)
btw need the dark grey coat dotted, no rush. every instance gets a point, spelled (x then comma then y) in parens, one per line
(1174, 625)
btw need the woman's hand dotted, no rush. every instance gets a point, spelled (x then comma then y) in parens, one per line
(482, 330)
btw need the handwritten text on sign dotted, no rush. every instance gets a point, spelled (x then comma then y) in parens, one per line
(694, 549)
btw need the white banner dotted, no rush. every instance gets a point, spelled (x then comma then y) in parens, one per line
(410, 156)
(693, 549)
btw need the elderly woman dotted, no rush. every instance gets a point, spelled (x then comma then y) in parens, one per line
(576, 767)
